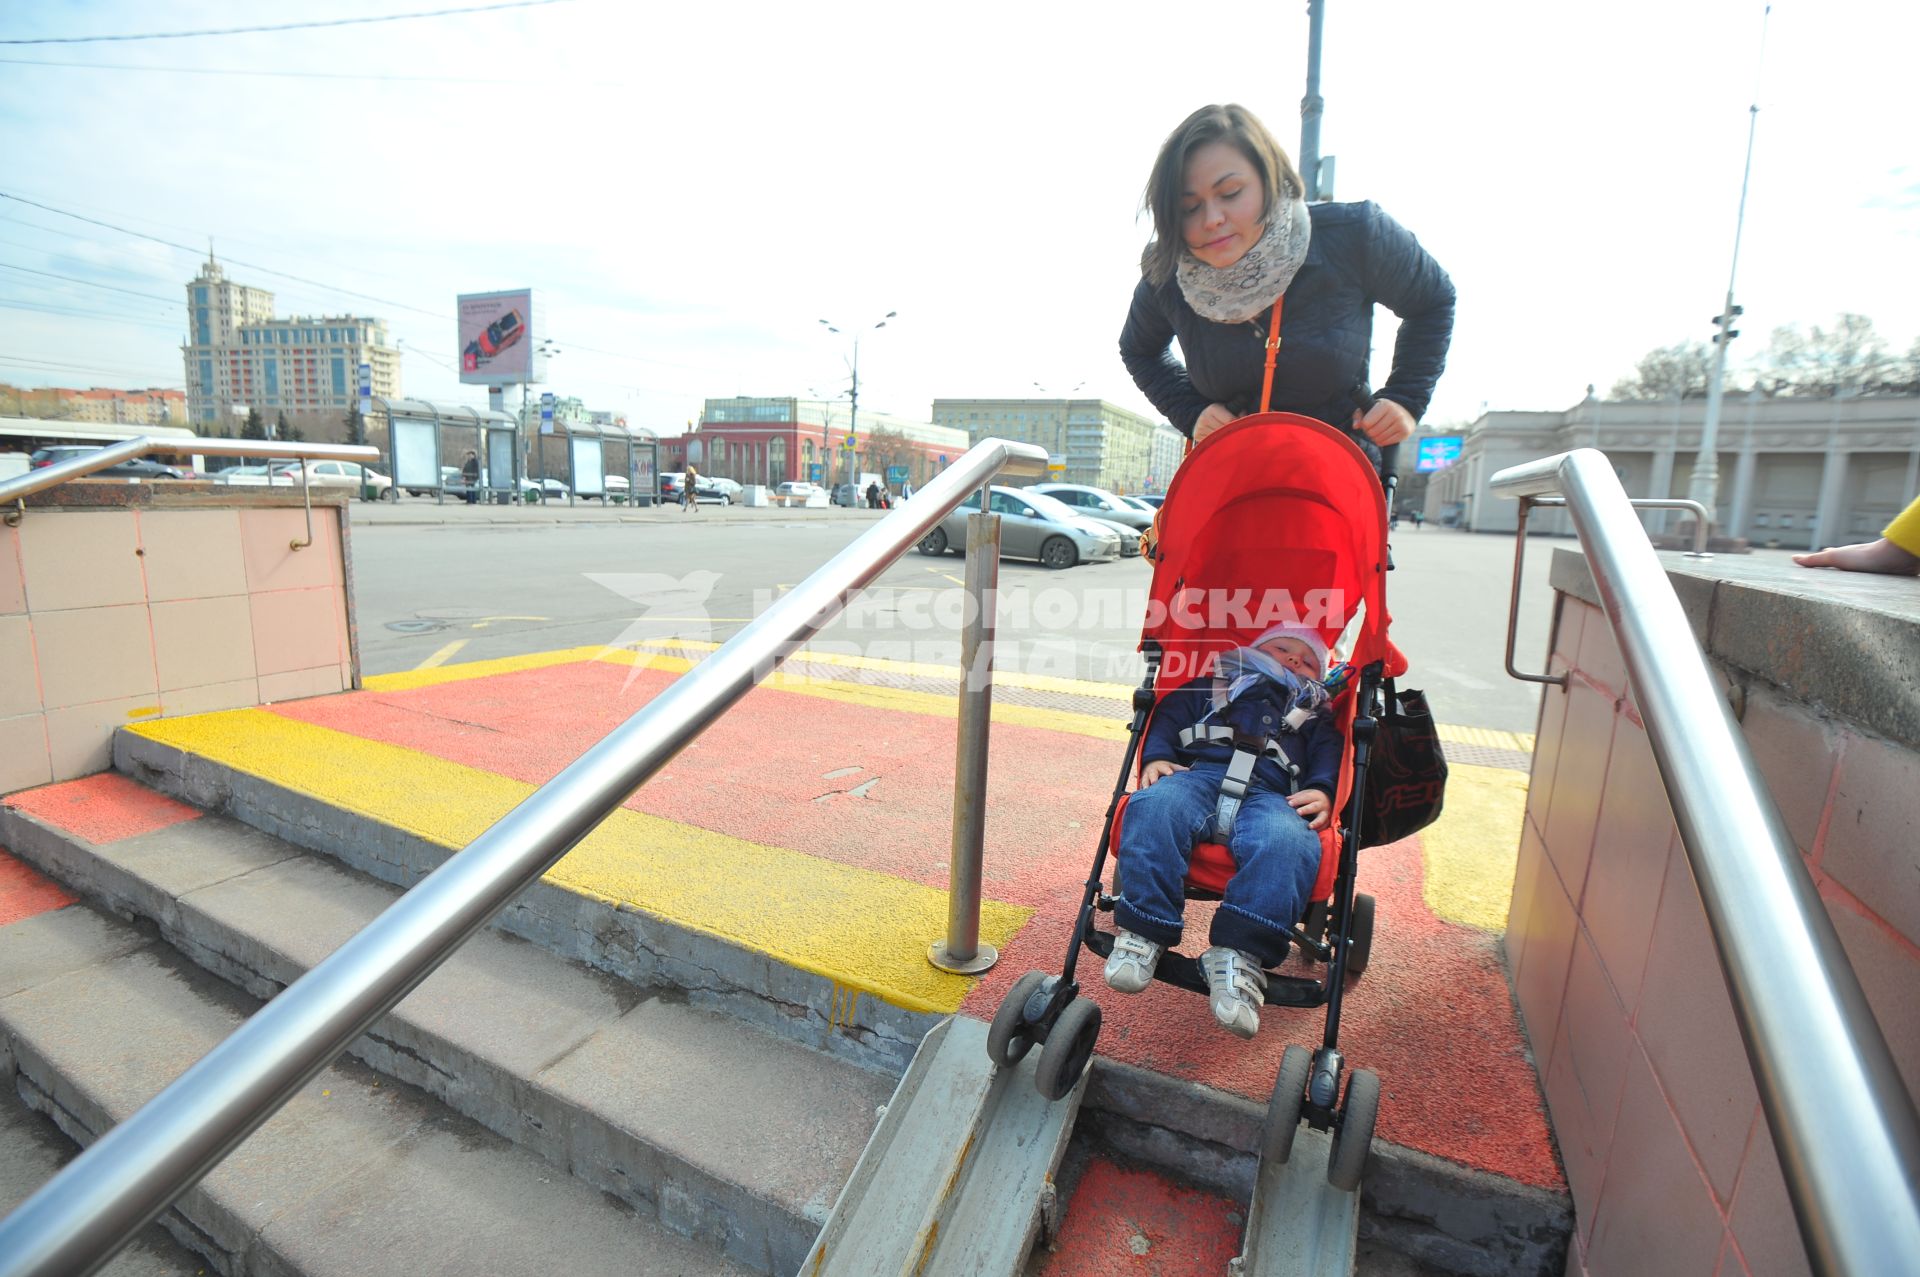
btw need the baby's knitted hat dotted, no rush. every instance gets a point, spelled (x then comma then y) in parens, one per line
(1302, 633)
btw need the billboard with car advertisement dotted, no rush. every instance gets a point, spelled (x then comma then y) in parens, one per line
(497, 340)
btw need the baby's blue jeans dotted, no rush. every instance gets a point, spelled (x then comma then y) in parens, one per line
(1276, 855)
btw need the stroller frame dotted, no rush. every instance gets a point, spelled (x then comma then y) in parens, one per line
(1048, 1009)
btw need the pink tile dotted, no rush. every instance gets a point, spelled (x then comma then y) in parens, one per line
(13, 587)
(1655, 1213)
(1599, 657)
(94, 654)
(80, 739)
(1764, 1229)
(1526, 878)
(1579, 779)
(1546, 754)
(298, 629)
(202, 641)
(1547, 931)
(1574, 615)
(270, 562)
(81, 559)
(1888, 969)
(24, 760)
(19, 671)
(1870, 848)
(192, 554)
(1795, 751)
(241, 694)
(297, 685)
(1584, 1078)
(1687, 1025)
(1632, 840)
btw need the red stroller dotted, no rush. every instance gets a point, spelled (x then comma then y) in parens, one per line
(1274, 511)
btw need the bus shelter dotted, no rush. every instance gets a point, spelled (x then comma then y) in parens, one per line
(427, 444)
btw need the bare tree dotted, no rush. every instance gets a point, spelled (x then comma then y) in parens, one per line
(1679, 371)
(883, 447)
(1821, 362)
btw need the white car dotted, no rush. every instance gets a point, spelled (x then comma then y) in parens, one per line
(797, 492)
(1097, 503)
(350, 475)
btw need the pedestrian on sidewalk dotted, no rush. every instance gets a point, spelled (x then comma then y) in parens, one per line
(689, 499)
(470, 476)
(1896, 553)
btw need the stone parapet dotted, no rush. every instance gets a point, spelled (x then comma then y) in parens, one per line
(1668, 1156)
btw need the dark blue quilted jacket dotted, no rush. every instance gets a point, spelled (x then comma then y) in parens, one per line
(1358, 256)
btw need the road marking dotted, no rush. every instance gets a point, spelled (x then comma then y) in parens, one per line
(865, 930)
(440, 657)
(485, 622)
(1471, 850)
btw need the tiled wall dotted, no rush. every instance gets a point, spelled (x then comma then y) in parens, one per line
(1668, 1157)
(113, 615)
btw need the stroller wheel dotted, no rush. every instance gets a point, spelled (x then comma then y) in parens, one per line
(1355, 1136)
(1362, 934)
(1283, 1110)
(1009, 1037)
(1069, 1047)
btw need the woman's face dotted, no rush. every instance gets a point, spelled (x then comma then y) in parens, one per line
(1220, 204)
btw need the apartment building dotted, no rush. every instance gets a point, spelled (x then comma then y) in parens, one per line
(152, 406)
(240, 356)
(1097, 442)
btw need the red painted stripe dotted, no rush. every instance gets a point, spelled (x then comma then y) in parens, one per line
(103, 808)
(1123, 1221)
(1433, 1016)
(25, 892)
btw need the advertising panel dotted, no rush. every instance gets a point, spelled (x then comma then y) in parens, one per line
(497, 340)
(1437, 453)
(589, 468)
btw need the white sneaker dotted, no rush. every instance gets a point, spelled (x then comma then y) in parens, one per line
(1130, 968)
(1237, 987)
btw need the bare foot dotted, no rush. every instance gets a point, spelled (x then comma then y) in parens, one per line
(1869, 556)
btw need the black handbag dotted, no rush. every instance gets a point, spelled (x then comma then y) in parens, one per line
(1407, 774)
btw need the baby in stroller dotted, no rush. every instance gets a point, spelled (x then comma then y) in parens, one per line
(1247, 756)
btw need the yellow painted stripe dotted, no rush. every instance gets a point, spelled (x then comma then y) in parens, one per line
(1472, 849)
(1491, 737)
(926, 669)
(407, 680)
(867, 931)
(442, 656)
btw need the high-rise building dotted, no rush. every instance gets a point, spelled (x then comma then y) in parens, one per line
(239, 356)
(1097, 442)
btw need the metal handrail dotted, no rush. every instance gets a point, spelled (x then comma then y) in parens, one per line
(82, 1216)
(1844, 1126)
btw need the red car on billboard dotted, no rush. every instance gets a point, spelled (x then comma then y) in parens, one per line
(500, 334)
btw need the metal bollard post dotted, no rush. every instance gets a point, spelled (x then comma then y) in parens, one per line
(962, 952)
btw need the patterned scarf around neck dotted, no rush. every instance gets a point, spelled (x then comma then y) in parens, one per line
(1252, 284)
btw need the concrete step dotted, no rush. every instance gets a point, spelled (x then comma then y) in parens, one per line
(355, 1175)
(669, 1108)
(758, 932)
(32, 1149)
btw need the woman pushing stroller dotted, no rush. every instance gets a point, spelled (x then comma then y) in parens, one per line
(1263, 708)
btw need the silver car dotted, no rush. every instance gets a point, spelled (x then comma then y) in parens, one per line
(1096, 503)
(1032, 526)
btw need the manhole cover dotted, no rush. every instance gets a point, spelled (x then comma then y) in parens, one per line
(415, 627)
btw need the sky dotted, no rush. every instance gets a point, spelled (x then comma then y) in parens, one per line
(692, 188)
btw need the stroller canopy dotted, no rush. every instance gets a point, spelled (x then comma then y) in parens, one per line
(1275, 519)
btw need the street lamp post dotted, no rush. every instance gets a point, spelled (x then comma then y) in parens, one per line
(853, 417)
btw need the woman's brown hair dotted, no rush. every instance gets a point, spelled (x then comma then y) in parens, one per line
(1166, 185)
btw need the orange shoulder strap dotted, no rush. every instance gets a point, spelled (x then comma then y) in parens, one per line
(1273, 351)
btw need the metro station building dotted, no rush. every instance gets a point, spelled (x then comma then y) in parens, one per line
(1794, 472)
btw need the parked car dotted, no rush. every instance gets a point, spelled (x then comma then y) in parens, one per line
(1146, 502)
(350, 475)
(1032, 526)
(704, 490)
(549, 489)
(255, 476)
(796, 492)
(1128, 534)
(1097, 502)
(728, 487)
(132, 468)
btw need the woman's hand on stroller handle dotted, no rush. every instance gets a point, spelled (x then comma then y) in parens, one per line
(1385, 423)
(1156, 769)
(1313, 805)
(1212, 417)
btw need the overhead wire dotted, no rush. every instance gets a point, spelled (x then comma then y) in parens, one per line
(311, 25)
(75, 279)
(275, 73)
